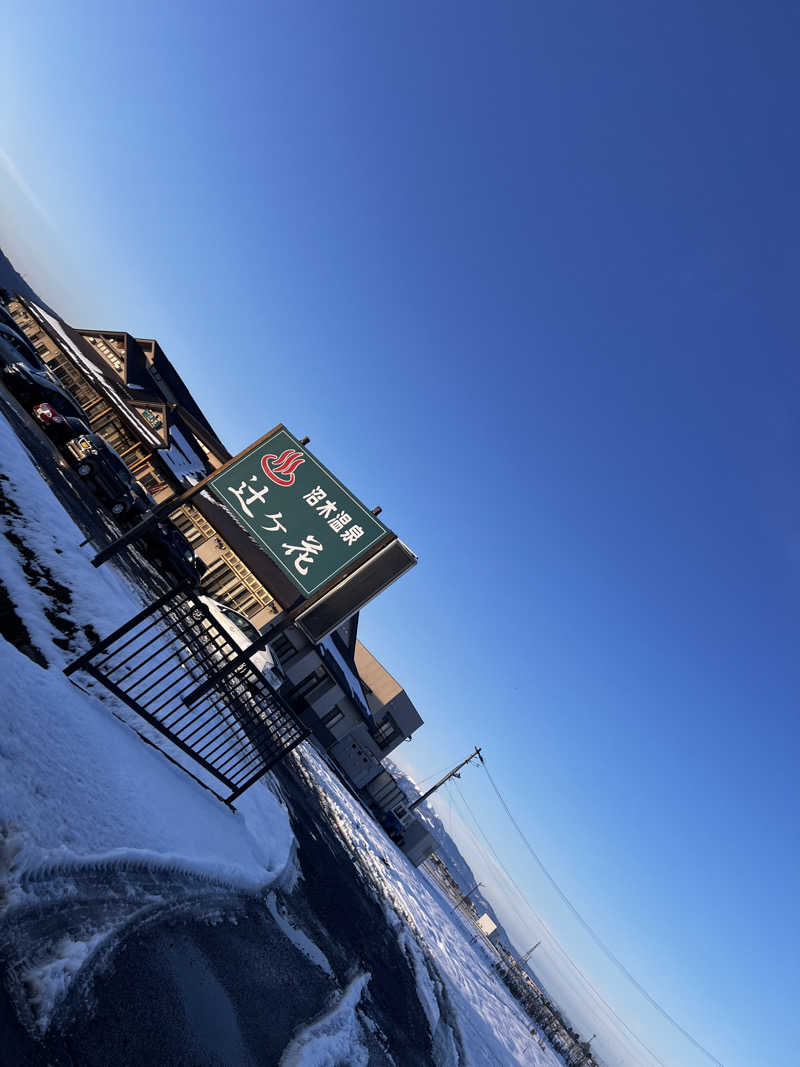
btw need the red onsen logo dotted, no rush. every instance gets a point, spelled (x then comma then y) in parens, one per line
(282, 470)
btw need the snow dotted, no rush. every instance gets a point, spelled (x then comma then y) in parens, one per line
(79, 791)
(49, 981)
(426, 991)
(334, 1039)
(102, 598)
(78, 788)
(181, 458)
(297, 936)
(328, 645)
(82, 788)
(491, 1026)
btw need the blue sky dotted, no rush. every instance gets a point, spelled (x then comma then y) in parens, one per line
(526, 275)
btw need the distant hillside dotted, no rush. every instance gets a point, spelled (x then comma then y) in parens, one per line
(449, 852)
(12, 280)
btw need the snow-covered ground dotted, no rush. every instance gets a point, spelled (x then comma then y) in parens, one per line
(78, 788)
(80, 792)
(76, 781)
(490, 1027)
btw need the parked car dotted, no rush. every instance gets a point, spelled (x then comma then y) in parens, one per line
(393, 827)
(96, 462)
(93, 458)
(242, 632)
(166, 546)
(59, 428)
(28, 379)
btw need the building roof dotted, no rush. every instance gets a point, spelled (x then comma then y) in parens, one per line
(384, 685)
(142, 394)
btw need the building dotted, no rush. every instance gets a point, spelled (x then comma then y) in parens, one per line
(395, 715)
(487, 925)
(136, 400)
(351, 702)
(359, 720)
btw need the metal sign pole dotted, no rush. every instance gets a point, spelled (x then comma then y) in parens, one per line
(166, 506)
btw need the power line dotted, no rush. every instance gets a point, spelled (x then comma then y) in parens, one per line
(552, 939)
(595, 937)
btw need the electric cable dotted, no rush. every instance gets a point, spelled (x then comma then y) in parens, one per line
(553, 941)
(607, 952)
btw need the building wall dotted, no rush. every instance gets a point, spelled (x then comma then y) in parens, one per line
(397, 721)
(103, 418)
(418, 842)
(395, 715)
(374, 674)
(326, 708)
(228, 578)
(356, 758)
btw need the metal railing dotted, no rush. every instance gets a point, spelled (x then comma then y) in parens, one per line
(175, 666)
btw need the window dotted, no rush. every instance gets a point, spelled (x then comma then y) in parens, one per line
(107, 353)
(303, 688)
(247, 628)
(333, 717)
(386, 733)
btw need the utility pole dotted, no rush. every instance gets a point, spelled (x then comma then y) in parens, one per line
(464, 896)
(452, 774)
(529, 953)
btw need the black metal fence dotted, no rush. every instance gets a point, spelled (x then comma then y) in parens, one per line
(176, 667)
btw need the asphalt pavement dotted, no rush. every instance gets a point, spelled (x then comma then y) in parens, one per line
(201, 976)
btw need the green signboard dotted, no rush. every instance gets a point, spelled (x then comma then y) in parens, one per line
(296, 510)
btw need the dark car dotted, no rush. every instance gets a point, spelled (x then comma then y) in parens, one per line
(101, 468)
(59, 428)
(26, 377)
(166, 546)
(393, 827)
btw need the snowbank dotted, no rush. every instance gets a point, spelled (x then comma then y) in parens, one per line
(78, 786)
(336, 1038)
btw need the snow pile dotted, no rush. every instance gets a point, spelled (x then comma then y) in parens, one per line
(50, 980)
(426, 989)
(334, 1039)
(490, 1024)
(181, 458)
(81, 787)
